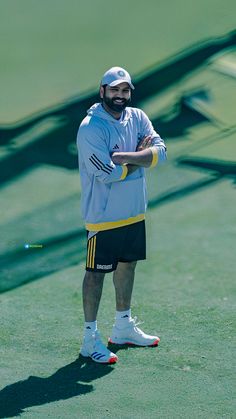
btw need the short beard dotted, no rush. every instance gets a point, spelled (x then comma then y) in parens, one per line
(114, 106)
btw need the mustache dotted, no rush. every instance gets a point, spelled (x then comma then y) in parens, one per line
(119, 98)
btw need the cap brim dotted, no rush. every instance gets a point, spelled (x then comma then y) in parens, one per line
(116, 82)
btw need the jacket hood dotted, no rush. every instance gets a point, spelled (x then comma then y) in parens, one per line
(98, 111)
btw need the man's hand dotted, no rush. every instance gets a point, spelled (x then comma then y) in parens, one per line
(132, 168)
(141, 157)
(144, 143)
(138, 158)
(118, 158)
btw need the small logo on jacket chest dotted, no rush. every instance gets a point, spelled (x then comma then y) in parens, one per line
(116, 147)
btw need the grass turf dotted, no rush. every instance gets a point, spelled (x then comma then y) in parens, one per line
(184, 292)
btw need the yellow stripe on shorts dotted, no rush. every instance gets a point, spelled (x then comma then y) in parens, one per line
(91, 252)
(88, 253)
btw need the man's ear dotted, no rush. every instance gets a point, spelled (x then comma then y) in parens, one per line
(102, 92)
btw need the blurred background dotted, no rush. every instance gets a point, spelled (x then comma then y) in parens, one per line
(182, 59)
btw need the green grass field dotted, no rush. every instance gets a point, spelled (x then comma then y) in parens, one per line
(185, 290)
(184, 293)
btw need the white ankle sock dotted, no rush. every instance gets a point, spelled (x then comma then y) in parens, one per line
(122, 318)
(89, 328)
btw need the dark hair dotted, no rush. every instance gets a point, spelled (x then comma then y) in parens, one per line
(104, 87)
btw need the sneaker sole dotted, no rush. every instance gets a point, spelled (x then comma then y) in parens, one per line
(111, 360)
(125, 342)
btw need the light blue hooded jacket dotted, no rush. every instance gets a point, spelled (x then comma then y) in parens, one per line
(109, 197)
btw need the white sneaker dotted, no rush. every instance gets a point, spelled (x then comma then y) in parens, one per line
(95, 349)
(132, 335)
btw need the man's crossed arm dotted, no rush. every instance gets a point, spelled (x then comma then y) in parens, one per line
(143, 156)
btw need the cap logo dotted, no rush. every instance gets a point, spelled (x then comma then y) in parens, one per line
(121, 73)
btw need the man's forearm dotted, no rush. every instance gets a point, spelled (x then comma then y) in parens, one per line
(139, 158)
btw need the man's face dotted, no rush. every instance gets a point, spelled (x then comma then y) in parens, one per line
(116, 98)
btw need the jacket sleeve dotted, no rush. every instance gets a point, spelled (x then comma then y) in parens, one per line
(159, 154)
(94, 155)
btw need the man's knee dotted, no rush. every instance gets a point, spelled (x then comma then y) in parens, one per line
(94, 276)
(127, 266)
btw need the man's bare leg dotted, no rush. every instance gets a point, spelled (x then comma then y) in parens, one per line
(92, 292)
(123, 279)
(92, 345)
(125, 331)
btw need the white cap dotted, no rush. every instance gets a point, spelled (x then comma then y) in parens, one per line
(116, 75)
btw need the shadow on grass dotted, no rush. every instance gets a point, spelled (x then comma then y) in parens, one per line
(69, 381)
(116, 348)
(20, 266)
(58, 125)
(48, 137)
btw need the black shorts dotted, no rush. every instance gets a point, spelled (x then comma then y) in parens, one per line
(124, 244)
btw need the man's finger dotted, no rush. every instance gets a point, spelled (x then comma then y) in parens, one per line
(144, 143)
(146, 140)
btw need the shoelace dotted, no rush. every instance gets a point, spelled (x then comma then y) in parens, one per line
(135, 322)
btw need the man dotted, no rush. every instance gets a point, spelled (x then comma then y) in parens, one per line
(115, 142)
